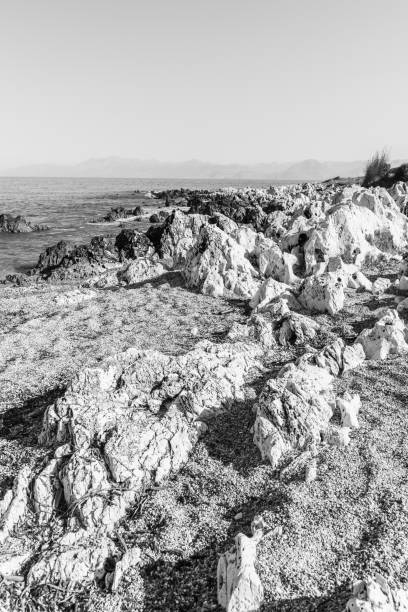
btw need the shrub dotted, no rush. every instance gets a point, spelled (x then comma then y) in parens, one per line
(377, 167)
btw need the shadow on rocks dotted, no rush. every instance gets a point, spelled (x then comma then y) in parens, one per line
(23, 422)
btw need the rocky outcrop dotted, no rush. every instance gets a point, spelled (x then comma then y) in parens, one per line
(324, 293)
(375, 595)
(388, 337)
(217, 266)
(120, 214)
(362, 227)
(238, 585)
(119, 427)
(293, 410)
(18, 225)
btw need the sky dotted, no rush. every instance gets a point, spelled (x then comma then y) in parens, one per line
(217, 80)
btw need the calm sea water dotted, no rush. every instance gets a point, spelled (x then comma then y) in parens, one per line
(67, 206)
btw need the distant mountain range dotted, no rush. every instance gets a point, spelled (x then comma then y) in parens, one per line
(118, 167)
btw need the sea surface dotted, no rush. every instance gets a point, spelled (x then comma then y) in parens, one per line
(67, 205)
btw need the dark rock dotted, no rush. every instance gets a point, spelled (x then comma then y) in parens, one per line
(132, 244)
(236, 206)
(155, 218)
(18, 225)
(66, 260)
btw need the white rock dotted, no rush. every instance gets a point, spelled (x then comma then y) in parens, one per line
(238, 585)
(375, 595)
(380, 286)
(217, 266)
(16, 504)
(323, 293)
(388, 336)
(349, 407)
(140, 270)
(267, 292)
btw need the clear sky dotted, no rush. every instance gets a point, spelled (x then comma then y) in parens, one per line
(217, 80)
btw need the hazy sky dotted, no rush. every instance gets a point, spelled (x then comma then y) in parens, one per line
(217, 80)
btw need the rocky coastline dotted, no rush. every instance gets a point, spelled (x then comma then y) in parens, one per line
(210, 414)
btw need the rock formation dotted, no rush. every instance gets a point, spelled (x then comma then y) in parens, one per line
(238, 585)
(18, 225)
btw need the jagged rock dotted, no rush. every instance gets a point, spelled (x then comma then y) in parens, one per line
(18, 225)
(269, 291)
(362, 227)
(14, 504)
(132, 244)
(238, 585)
(388, 336)
(337, 358)
(64, 260)
(146, 410)
(349, 407)
(73, 560)
(380, 286)
(179, 236)
(375, 595)
(47, 487)
(119, 213)
(324, 293)
(292, 410)
(141, 270)
(296, 328)
(358, 280)
(217, 266)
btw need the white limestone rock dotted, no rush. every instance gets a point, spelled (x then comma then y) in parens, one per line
(180, 236)
(140, 270)
(146, 410)
(293, 410)
(380, 285)
(349, 407)
(387, 337)
(363, 226)
(268, 291)
(375, 595)
(14, 504)
(239, 587)
(217, 266)
(295, 328)
(324, 293)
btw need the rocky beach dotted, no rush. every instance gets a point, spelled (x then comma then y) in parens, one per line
(208, 411)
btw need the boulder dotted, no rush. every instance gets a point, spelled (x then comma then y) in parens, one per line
(380, 285)
(217, 266)
(388, 337)
(18, 225)
(142, 269)
(349, 407)
(375, 595)
(292, 411)
(324, 293)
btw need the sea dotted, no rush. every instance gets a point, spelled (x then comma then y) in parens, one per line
(68, 205)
